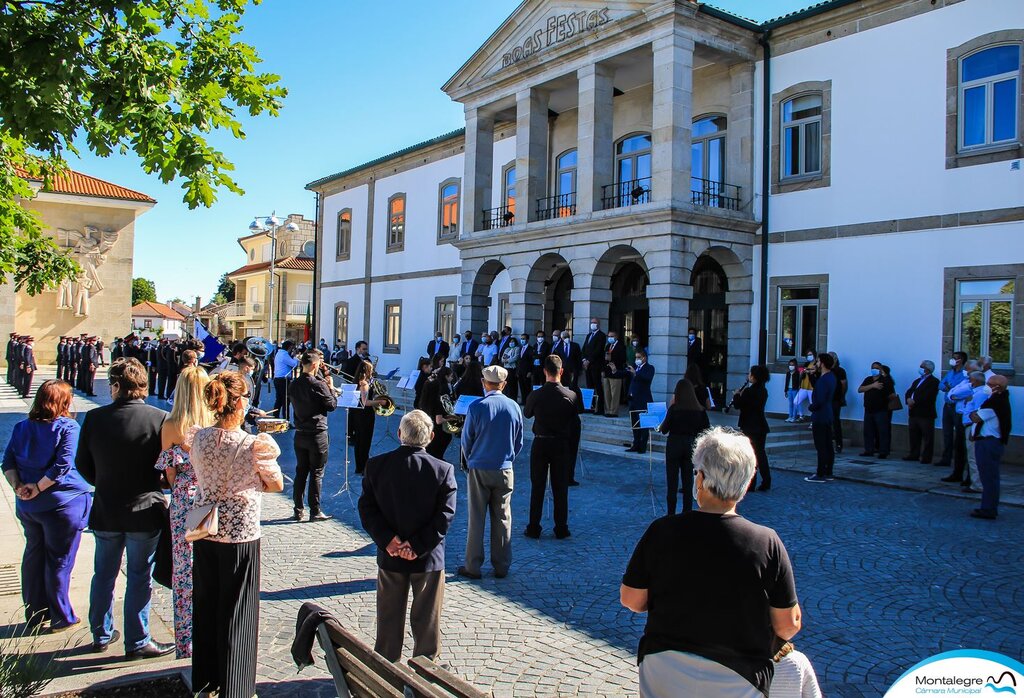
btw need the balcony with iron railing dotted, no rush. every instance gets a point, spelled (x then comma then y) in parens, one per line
(628, 193)
(558, 206)
(711, 194)
(501, 217)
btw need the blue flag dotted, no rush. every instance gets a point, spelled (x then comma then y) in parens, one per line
(210, 343)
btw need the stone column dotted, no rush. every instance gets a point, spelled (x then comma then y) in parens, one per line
(672, 118)
(669, 294)
(531, 152)
(479, 164)
(595, 168)
(739, 165)
(473, 306)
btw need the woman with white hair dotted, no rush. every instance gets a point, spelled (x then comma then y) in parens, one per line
(717, 588)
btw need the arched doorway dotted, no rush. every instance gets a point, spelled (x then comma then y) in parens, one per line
(489, 299)
(630, 314)
(709, 315)
(558, 306)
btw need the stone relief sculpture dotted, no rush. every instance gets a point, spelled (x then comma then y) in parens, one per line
(89, 248)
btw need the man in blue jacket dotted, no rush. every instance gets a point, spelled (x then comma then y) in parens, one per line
(639, 396)
(492, 437)
(821, 419)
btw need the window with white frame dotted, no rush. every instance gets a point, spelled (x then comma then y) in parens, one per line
(801, 135)
(798, 321)
(989, 96)
(985, 319)
(448, 228)
(396, 223)
(344, 234)
(341, 323)
(444, 317)
(393, 327)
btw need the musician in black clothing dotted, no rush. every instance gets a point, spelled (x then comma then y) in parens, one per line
(556, 419)
(424, 367)
(685, 420)
(438, 385)
(312, 397)
(71, 369)
(152, 364)
(361, 421)
(438, 346)
(750, 400)
(361, 354)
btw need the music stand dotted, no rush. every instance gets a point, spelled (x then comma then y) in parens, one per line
(387, 420)
(349, 400)
(650, 421)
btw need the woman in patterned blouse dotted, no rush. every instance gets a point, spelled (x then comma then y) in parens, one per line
(232, 469)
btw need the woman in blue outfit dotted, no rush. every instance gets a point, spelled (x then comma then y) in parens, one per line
(53, 504)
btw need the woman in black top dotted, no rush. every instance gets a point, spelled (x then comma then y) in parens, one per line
(876, 389)
(700, 388)
(685, 420)
(750, 401)
(424, 366)
(437, 385)
(472, 381)
(361, 421)
(312, 398)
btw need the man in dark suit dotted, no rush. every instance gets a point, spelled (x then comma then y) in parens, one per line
(407, 505)
(469, 346)
(531, 365)
(920, 399)
(572, 360)
(614, 372)
(9, 357)
(59, 357)
(163, 370)
(438, 346)
(88, 366)
(151, 361)
(117, 451)
(593, 361)
(362, 353)
(694, 349)
(639, 395)
(71, 371)
(29, 368)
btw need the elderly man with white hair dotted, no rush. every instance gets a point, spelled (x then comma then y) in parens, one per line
(920, 397)
(968, 397)
(717, 588)
(407, 505)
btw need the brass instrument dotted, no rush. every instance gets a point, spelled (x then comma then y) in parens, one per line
(380, 390)
(259, 349)
(452, 423)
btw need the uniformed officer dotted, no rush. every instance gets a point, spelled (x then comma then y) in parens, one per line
(87, 367)
(9, 357)
(60, 357)
(28, 363)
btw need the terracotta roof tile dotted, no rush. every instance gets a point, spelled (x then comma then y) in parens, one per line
(71, 182)
(147, 308)
(295, 263)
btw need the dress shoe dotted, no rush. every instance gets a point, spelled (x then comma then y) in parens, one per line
(910, 457)
(54, 629)
(951, 478)
(563, 533)
(763, 487)
(98, 646)
(867, 454)
(151, 650)
(982, 514)
(642, 451)
(532, 532)
(839, 448)
(631, 450)
(320, 516)
(966, 483)
(500, 575)
(882, 456)
(628, 443)
(463, 572)
(298, 515)
(573, 483)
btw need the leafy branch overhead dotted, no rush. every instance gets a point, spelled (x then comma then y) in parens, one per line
(155, 77)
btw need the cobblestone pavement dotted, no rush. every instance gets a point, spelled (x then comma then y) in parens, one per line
(886, 577)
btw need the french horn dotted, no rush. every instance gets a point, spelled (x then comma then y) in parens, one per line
(452, 423)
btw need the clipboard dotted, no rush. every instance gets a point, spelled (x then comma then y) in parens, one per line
(463, 403)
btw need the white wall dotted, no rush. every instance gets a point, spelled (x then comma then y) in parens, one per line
(417, 296)
(355, 267)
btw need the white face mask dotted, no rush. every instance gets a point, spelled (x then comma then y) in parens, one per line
(540, 340)
(636, 344)
(639, 363)
(810, 357)
(792, 368)
(593, 327)
(565, 337)
(952, 363)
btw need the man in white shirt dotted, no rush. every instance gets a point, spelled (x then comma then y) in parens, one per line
(985, 366)
(488, 350)
(968, 397)
(991, 424)
(284, 364)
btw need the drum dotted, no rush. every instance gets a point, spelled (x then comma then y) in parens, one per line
(272, 426)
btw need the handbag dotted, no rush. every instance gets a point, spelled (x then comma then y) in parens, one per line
(895, 404)
(202, 522)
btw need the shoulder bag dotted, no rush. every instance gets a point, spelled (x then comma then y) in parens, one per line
(204, 521)
(895, 404)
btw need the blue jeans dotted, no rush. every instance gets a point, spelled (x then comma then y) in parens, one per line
(793, 409)
(110, 548)
(989, 453)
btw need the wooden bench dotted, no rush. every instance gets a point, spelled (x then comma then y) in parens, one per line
(359, 672)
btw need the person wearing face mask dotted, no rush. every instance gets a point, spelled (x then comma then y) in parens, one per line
(593, 361)
(951, 447)
(838, 401)
(750, 400)
(990, 430)
(920, 397)
(469, 346)
(524, 370)
(969, 396)
(694, 349)
(532, 362)
(572, 361)
(438, 346)
(632, 345)
(614, 370)
(792, 387)
(807, 379)
(876, 390)
(488, 351)
(508, 358)
(641, 373)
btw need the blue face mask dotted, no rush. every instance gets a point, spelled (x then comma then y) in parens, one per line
(921, 372)
(875, 372)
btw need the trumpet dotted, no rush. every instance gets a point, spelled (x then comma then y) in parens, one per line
(452, 423)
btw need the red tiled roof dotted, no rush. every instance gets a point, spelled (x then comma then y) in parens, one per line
(147, 308)
(71, 182)
(296, 263)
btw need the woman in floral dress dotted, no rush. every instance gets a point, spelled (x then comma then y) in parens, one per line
(188, 414)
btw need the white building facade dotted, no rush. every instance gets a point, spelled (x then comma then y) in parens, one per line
(614, 164)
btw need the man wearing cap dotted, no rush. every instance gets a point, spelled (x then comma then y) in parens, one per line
(28, 363)
(492, 437)
(12, 343)
(87, 367)
(59, 358)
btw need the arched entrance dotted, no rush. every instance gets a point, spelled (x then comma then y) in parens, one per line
(558, 306)
(489, 298)
(709, 315)
(630, 314)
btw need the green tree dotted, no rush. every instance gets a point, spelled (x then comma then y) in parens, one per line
(225, 290)
(143, 290)
(155, 77)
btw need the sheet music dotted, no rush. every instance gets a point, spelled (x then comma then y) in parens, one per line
(463, 403)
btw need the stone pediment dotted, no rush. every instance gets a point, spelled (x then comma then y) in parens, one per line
(536, 27)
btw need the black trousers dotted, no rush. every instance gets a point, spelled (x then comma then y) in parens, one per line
(679, 461)
(88, 381)
(837, 426)
(574, 451)
(71, 374)
(26, 383)
(281, 397)
(439, 444)
(525, 378)
(360, 432)
(172, 382)
(878, 432)
(922, 438)
(161, 384)
(511, 390)
(225, 617)
(949, 420)
(960, 446)
(641, 437)
(594, 382)
(549, 456)
(152, 380)
(310, 462)
(823, 445)
(761, 454)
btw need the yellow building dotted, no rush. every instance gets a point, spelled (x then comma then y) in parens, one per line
(250, 316)
(94, 221)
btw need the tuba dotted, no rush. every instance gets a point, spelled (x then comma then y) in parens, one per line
(380, 390)
(259, 348)
(452, 423)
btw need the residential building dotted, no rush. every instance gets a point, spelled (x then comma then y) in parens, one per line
(152, 319)
(251, 314)
(847, 177)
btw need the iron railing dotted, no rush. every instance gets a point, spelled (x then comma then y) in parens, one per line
(559, 206)
(628, 193)
(501, 217)
(706, 192)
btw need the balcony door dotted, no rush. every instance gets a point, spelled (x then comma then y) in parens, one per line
(708, 160)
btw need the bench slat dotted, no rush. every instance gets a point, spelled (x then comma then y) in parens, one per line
(442, 677)
(378, 684)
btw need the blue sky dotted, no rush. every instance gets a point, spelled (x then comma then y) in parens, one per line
(364, 80)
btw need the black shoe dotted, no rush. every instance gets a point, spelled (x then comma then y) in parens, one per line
(982, 514)
(151, 650)
(882, 456)
(951, 478)
(532, 532)
(966, 483)
(564, 533)
(500, 575)
(628, 443)
(102, 646)
(941, 464)
(643, 451)
(815, 478)
(573, 483)
(320, 516)
(463, 572)
(839, 448)
(631, 450)
(298, 515)
(911, 457)
(763, 487)
(867, 454)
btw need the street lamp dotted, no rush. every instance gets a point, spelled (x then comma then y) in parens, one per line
(271, 224)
